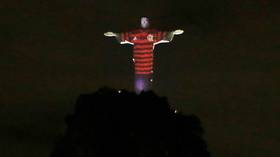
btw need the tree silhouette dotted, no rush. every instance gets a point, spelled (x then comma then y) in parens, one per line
(121, 123)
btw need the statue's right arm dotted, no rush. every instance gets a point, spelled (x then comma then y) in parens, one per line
(118, 36)
(112, 34)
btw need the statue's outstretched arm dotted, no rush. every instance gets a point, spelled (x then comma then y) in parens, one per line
(110, 34)
(170, 35)
(178, 32)
(118, 37)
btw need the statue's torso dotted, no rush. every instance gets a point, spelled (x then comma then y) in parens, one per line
(143, 41)
(143, 36)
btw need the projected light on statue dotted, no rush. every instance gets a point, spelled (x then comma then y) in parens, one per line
(144, 41)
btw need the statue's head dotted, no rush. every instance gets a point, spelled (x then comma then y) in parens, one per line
(145, 22)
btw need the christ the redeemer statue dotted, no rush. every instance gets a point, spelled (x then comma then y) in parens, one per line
(144, 41)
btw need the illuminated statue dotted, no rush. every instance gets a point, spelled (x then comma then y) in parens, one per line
(143, 41)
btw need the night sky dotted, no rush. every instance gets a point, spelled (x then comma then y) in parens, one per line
(224, 68)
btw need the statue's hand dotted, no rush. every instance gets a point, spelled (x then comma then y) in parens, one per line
(110, 34)
(178, 32)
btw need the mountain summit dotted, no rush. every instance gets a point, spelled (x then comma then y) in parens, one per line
(113, 122)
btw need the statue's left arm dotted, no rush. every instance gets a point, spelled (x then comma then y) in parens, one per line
(166, 37)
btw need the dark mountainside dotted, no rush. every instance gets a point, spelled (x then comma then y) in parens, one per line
(120, 123)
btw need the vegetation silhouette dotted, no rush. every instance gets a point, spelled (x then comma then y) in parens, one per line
(113, 122)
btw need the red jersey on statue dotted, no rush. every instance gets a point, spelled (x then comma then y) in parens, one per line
(144, 41)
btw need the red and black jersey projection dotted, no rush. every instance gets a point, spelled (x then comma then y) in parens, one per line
(144, 41)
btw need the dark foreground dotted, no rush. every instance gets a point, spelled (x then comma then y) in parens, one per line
(119, 123)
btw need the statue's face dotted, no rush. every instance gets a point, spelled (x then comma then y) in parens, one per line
(144, 22)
